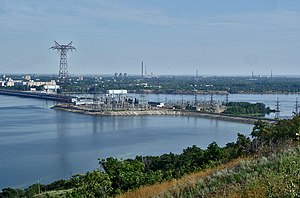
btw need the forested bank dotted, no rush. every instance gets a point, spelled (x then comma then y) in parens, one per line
(169, 84)
(247, 108)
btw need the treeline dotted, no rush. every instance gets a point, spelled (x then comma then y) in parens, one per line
(118, 176)
(247, 108)
(133, 173)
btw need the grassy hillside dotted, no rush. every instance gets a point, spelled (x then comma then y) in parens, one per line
(176, 186)
(277, 175)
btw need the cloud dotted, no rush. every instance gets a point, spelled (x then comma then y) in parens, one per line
(48, 15)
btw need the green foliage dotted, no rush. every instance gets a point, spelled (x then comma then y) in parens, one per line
(269, 135)
(273, 176)
(92, 184)
(125, 175)
(11, 193)
(214, 153)
(57, 185)
(33, 190)
(131, 174)
(246, 108)
(177, 85)
(192, 158)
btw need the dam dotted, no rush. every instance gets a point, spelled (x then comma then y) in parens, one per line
(38, 95)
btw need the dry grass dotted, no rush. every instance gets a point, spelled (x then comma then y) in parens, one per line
(176, 185)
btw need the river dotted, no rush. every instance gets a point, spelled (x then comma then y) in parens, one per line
(38, 143)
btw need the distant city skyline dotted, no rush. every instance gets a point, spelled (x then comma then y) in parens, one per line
(171, 37)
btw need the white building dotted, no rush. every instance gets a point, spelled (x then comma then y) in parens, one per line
(117, 92)
(32, 83)
(10, 83)
(27, 77)
(51, 89)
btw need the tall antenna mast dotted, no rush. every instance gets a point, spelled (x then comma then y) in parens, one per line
(63, 64)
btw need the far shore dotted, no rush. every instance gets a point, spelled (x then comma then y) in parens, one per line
(203, 93)
(241, 119)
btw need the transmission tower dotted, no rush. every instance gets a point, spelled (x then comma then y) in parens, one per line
(277, 115)
(63, 64)
(226, 99)
(211, 104)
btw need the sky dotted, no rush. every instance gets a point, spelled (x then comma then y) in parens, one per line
(172, 37)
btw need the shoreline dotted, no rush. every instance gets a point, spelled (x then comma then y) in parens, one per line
(217, 116)
(207, 93)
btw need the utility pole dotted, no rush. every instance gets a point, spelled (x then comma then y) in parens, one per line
(39, 188)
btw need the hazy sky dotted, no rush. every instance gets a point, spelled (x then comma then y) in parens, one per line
(221, 37)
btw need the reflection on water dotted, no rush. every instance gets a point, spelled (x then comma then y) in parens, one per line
(62, 143)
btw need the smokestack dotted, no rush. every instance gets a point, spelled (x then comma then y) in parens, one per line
(142, 69)
(271, 74)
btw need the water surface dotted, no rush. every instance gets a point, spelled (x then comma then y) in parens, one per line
(38, 143)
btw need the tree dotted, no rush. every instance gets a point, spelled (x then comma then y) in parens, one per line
(260, 129)
(125, 175)
(92, 184)
(242, 144)
(214, 153)
(10, 192)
